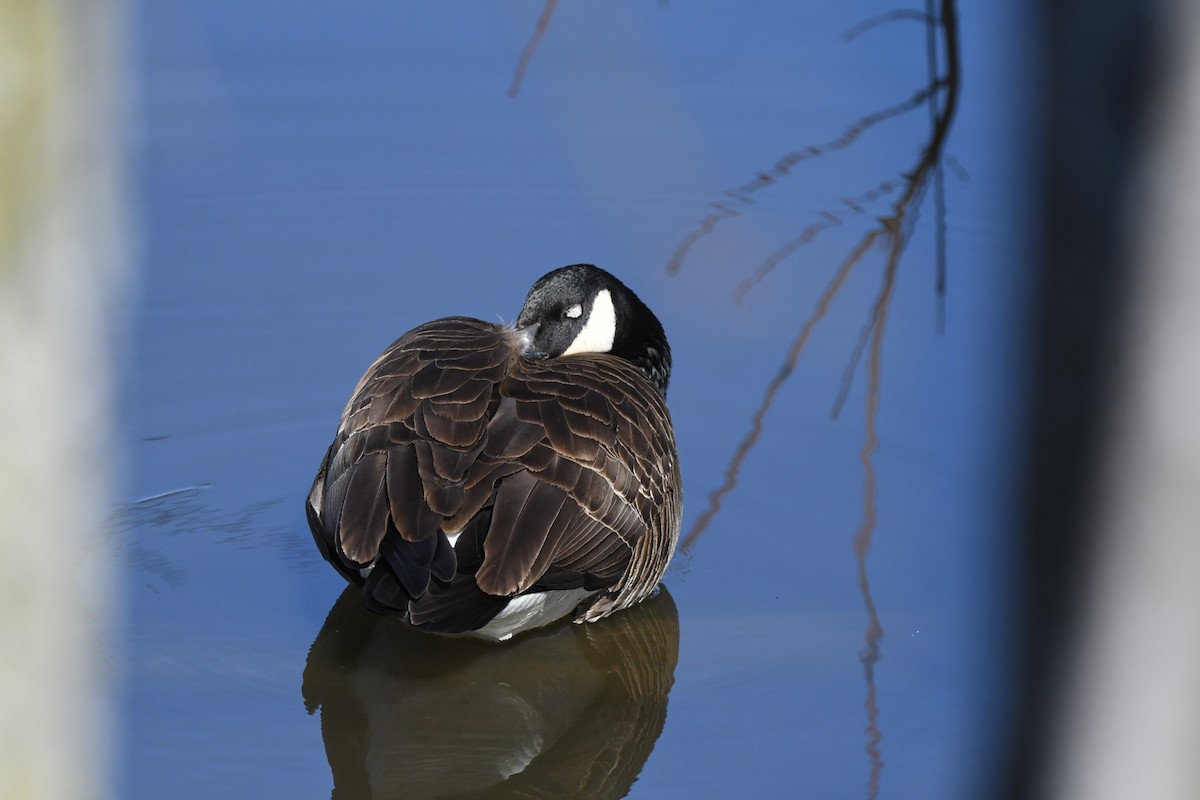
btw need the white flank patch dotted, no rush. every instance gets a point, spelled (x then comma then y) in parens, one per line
(600, 330)
(531, 611)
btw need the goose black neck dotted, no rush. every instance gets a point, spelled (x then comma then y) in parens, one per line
(642, 341)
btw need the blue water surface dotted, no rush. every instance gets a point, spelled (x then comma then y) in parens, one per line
(314, 179)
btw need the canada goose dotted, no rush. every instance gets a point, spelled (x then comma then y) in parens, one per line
(489, 479)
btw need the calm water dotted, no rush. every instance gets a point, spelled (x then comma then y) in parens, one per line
(313, 181)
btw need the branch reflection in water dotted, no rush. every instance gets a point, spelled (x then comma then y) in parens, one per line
(894, 230)
(539, 30)
(570, 711)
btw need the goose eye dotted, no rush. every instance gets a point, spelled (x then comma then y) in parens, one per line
(574, 312)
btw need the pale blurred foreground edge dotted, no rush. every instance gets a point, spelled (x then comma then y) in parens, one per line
(61, 272)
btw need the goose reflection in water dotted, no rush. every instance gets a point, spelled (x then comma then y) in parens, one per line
(569, 711)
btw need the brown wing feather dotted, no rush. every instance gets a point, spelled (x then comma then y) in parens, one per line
(364, 520)
(516, 550)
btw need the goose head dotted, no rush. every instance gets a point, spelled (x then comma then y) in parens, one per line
(584, 309)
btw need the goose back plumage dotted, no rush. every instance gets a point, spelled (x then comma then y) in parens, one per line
(464, 475)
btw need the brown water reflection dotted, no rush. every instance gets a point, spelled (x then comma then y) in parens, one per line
(572, 711)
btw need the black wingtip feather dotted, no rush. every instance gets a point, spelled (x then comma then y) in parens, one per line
(445, 562)
(409, 562)
(457, 608)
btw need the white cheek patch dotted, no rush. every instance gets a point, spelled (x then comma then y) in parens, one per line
(600, 330)
(575, 311)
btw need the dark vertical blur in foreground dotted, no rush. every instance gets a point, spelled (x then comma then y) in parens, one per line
(1109, 608)
(1091, 120)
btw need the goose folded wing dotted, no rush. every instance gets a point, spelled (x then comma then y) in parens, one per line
(539, 527)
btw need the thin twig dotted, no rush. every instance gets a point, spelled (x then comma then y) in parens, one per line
(743, 194)
(539, 31)
(884, 19)
(785, 370)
